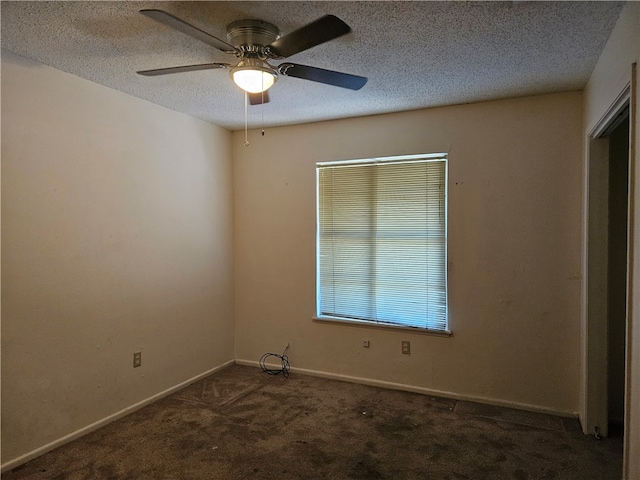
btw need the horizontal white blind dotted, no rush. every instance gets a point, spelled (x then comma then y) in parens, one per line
(382, 242)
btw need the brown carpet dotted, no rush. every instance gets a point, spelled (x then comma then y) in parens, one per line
(243, 424)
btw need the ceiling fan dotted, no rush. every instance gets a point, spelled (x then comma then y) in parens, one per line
(255, 43)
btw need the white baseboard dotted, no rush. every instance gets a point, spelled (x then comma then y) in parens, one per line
(422, 390)
(16, 462)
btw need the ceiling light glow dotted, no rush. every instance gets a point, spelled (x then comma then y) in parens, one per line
(252, 76)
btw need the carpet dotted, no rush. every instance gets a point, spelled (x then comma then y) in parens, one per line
(240, 423)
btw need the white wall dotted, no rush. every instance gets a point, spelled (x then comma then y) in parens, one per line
(116, 237)
(609, 78)
(514, 251)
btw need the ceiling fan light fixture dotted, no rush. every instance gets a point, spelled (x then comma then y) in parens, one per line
(252, 76)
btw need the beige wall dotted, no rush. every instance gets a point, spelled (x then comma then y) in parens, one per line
(514, 255)
(116, 237)
(610, 76)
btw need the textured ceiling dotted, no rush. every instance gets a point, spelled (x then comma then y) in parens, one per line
(415, 54)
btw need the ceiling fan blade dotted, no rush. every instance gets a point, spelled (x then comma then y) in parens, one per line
(258, 98)
(184, 27)
(338, 79)
(184, 68)
(322, 30)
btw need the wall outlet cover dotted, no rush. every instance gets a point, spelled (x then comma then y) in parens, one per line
(137, 359)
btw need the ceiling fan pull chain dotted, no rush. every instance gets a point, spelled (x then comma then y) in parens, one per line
(262, 103)
(246, 119)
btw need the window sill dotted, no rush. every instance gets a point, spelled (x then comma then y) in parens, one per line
(360, 323)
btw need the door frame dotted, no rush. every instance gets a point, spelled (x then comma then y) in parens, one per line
(595, 262)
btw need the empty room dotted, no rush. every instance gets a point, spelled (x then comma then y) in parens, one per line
(308, 240)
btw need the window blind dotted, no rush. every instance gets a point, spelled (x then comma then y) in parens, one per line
(381, 246)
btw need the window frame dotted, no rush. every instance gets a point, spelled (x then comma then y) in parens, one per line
(372, 323)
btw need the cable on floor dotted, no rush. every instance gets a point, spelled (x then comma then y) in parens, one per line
(284, 362)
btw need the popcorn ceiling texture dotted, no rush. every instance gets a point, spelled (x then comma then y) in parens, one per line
(415, 54)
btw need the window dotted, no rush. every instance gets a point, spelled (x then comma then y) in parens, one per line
(382, 241)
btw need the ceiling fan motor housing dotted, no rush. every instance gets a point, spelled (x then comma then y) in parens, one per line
(251, 35)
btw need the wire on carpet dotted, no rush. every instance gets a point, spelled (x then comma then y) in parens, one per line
(284, 361)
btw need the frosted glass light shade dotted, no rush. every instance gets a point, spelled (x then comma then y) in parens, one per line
(253, 79)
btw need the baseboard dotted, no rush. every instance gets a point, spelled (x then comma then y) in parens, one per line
(16, 462)
(422, 390)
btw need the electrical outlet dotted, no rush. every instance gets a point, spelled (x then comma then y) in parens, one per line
(365, 343)
(406, 347)
(137, 359)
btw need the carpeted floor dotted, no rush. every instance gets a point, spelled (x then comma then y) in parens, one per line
(243, 424)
